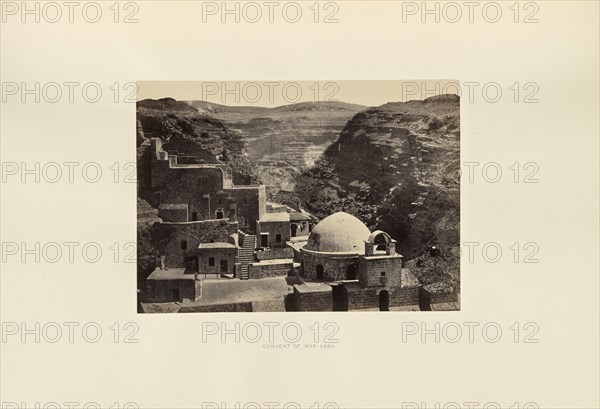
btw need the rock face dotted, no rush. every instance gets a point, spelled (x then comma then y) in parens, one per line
(283, 141)
(396, 167)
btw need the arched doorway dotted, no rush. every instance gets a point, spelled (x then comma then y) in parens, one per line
(219, 213)
(384, 300)
(320, 272)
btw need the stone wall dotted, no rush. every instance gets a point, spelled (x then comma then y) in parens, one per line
(227, 254)
(246, 204)
(361, 298)
(163, 290)
(371, 269)
(230, 307)
(313, 301)
(168, 238)
(404, 296)
(262, 270)
(170, 213)
(431, 295)
(335, 267)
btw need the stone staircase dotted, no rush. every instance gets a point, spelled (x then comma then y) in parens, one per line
(246, 254)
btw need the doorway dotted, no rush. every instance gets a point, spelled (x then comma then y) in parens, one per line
(384, 301)
(351, 272)
(320, 272)
(220, 214)
(224, 266)
(340, 300)
(264, 239)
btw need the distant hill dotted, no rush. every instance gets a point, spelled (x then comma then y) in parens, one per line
(396, 167)
(213, 108)
(165, 104)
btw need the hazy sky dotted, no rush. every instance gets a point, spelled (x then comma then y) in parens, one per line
(275, 93)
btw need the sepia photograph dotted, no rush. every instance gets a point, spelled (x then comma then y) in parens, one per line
(308, 206)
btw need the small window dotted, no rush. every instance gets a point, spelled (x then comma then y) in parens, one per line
(211, 261)
(183, 244)
(278, 238)
(383, 274)
(194, 216)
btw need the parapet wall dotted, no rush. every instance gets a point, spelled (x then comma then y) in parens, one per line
(313, 300)
(165, 290)
(263, 270)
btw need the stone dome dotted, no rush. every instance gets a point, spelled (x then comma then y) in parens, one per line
(339, 233)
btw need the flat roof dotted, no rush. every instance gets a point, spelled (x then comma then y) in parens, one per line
(173, 206)
(298, 217)
(312, 288)
(170, 274)
(275, 217)
(217, 245)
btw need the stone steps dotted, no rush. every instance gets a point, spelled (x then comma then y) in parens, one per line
(246, 255)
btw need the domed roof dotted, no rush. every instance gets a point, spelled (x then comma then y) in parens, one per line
(339, 233)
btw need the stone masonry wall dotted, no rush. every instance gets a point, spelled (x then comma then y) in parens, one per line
(168, 238)
(370, 271)
(368, 297)
(334, 268)
(273, 229)
(258, 270)
(313, 301)
(162, 290)
(227, 254)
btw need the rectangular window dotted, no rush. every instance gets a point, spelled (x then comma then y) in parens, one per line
(183, 244)
(211, 261)
(278, 238)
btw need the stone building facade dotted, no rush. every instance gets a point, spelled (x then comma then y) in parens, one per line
(205, 190)
(217, 258)
(273, 229)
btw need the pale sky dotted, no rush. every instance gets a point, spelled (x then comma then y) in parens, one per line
(276, 93)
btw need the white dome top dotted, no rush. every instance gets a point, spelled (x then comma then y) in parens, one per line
(339, 233)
